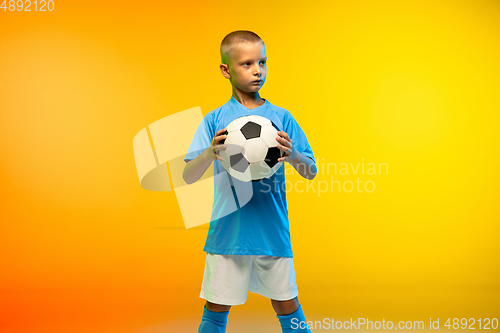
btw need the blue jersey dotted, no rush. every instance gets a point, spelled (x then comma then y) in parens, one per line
(260, 226)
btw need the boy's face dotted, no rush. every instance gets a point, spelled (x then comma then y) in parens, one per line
(247, 64)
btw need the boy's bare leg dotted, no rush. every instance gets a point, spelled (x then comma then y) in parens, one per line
(285, 307)
(217, 307)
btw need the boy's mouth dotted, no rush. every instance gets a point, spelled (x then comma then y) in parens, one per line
(256, 81)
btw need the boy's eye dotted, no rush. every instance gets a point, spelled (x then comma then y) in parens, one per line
(247, 63)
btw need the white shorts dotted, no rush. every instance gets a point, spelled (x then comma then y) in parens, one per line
(228, 278)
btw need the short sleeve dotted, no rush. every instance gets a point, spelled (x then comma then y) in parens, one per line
(202, 138)
(297, 135)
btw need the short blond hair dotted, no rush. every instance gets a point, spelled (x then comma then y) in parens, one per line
(232, 39)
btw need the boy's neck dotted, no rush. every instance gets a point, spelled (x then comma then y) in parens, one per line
(250, 101)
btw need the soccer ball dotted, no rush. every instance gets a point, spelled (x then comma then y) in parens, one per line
(251, 152)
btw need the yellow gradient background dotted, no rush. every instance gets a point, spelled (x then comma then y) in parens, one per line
(415, 85)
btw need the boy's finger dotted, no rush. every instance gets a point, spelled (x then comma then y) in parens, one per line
(220, 137)
(218, 157)
(285, 135)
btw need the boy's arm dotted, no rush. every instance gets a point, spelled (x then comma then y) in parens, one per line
(195, 168)
(304, 165)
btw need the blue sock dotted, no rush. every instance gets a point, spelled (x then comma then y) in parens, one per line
(213, 322)
(294, 322)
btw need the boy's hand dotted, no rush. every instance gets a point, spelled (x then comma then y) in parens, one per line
(215, 146)
(286, 146)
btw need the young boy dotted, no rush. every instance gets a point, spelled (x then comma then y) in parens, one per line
(248, 249)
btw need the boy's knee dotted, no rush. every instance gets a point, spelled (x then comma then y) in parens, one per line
(213, 321)
(217, 307)
(285, 307)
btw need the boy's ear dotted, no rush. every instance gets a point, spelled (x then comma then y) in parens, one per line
(225, 71)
